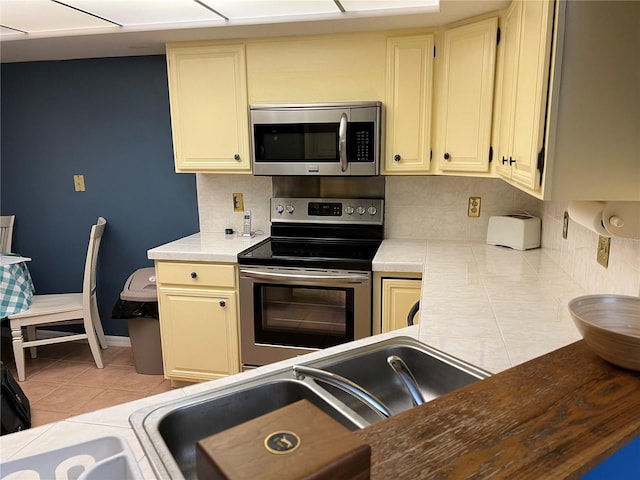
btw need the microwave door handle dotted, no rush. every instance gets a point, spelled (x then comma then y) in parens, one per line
(342, 141)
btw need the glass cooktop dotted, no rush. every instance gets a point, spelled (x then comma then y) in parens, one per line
(319, 253)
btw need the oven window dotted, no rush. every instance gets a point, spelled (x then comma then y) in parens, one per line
(315, 317)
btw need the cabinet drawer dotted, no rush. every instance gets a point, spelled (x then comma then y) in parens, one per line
(196, 274)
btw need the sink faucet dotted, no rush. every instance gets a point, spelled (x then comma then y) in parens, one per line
(345, 385)
(407, 378)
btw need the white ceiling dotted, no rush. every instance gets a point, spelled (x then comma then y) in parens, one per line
(33, 30)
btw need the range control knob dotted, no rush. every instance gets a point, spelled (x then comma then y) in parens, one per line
(279, 209)
(360, 210)
(349, 210)
(372, 210)
(290, 208)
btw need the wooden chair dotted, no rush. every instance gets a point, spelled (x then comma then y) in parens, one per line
(63, 309)
(6, 232)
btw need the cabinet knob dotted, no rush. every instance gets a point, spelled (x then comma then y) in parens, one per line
(504, 160)
(511, 161)
(447, 156)
(222, 303)
(194, 275)
(397, 158)
(236, 156)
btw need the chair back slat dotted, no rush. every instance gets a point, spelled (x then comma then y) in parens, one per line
(6, 232)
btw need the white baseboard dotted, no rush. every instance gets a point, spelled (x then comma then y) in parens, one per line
(112, 340)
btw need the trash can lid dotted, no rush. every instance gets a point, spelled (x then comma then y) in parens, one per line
(141, 286)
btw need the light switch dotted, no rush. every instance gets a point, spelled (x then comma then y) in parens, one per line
(78, 181)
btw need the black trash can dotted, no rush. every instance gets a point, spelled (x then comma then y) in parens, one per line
(139, 305)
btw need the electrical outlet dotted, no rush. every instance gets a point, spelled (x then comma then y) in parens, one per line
(604, 247)
(78, 182)
(474, 207)
(565, 225)
(238, 202)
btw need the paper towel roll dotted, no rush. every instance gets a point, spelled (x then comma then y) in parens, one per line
(589, 215)
(622, 219)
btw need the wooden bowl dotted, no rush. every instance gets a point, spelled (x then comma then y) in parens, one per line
(610, 325)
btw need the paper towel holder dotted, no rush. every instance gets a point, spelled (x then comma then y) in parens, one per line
(622, 219)
(608, 219)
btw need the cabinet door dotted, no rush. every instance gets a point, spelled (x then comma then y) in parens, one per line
(409, 93)
(507, 87)
(466, 97)
(208, 94)
(398, 296)
(199, 333)
(531, 92)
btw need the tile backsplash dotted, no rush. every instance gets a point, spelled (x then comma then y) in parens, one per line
(215, 201)
(435, 208)
(577, 255)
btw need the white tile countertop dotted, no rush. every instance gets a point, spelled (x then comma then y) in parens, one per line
(490, 306)
(205, 247)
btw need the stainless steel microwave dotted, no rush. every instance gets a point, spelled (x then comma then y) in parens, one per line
(333, 139)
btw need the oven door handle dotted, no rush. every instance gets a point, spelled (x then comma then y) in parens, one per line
(279, 274)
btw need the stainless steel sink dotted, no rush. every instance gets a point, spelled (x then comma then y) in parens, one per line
(168, 432)
(435, 373)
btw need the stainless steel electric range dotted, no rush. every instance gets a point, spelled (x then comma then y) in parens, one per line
(309, 285)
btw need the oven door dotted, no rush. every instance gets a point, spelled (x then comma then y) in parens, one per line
(285, 312)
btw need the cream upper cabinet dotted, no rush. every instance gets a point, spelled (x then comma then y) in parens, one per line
(198, 307)
(525, 57)
(209, 113)
(408, 104)
(506, 86)
(465, 97)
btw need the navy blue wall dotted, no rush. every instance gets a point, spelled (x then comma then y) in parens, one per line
(107, 119)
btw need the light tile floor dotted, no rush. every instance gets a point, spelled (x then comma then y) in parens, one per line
(64, 380)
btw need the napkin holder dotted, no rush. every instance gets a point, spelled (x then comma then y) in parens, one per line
(298, 441)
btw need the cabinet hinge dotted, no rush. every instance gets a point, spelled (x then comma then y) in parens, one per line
(498, 37)
(541, 163)
(490, 154)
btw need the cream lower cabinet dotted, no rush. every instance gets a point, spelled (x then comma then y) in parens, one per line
(209, 113)
(409, 94)
(198, 320)
(465, 97)
(394, 295)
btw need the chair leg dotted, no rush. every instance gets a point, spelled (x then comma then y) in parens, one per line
(89, 327)
(31, 335)
(95, 348)
(97, 323)
(18, 350)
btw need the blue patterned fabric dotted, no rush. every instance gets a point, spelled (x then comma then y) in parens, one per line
(16, 289)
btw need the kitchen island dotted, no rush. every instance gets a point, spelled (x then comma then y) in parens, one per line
(489, 306)
(556, 416)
